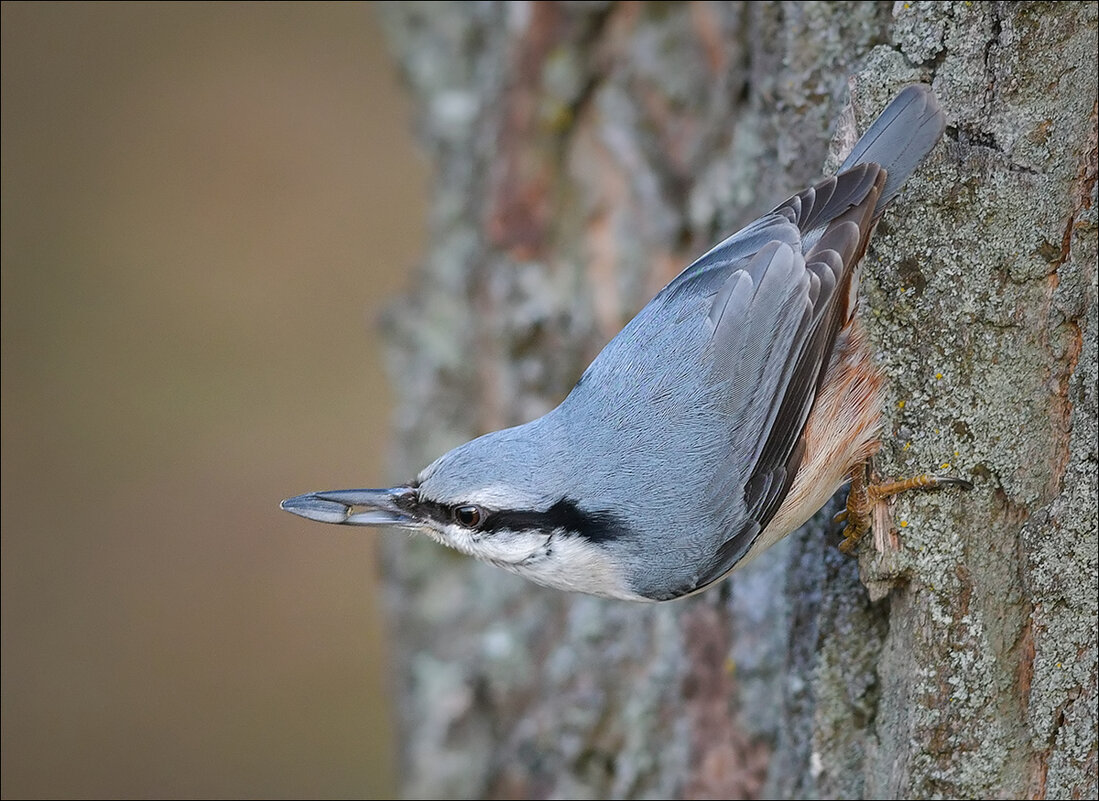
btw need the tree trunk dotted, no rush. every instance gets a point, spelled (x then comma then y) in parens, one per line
(584, 153)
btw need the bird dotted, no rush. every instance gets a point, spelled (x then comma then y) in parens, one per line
(720, 418)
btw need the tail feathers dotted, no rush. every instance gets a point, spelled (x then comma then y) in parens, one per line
(900, 139)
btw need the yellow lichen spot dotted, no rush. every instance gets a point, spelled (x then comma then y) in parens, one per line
(904, 524)
(907, 445)
(558, 117)
(945, 465)
(955, 453)
(938, 376)
(900, 404)
(1059, 665)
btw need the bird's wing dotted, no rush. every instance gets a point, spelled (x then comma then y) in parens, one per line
(781, 291)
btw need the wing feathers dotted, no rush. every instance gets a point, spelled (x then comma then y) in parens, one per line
(778, 292)
(774, 324)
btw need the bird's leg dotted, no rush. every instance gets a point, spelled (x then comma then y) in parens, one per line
(862, 497)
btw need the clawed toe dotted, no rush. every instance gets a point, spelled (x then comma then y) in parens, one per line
(862, 497)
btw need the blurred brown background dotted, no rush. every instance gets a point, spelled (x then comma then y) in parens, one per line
(204, 209)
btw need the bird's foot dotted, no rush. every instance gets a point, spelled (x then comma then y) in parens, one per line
(863, 496)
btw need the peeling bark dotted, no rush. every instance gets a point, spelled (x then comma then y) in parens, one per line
(584, 153)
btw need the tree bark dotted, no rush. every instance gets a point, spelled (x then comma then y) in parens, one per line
(584, 153)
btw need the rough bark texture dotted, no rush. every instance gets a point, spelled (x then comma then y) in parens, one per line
(584, 153)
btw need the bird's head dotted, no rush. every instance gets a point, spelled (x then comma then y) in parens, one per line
(491, 500)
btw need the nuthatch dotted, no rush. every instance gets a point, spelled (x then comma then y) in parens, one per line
(720, 419)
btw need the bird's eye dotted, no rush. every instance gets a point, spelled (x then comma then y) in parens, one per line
(468, 516)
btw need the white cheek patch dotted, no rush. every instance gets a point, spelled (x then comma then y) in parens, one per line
(560, 560)
(504, 548)
(454, 537)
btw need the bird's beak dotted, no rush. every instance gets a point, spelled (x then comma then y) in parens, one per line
(359, 507)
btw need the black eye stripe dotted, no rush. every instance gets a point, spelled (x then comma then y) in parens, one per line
(565, 515)
(442, 512)
(422, 508)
